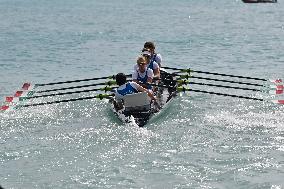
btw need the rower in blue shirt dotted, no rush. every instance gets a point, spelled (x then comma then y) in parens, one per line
(127, 88)
(154, 56)
(143, 75)
(150, 63)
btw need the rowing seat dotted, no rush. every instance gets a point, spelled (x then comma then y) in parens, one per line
(137, 102)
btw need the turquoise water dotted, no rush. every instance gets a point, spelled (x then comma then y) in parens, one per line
(199, 141)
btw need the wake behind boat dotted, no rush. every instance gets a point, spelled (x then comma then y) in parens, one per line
(139, 109)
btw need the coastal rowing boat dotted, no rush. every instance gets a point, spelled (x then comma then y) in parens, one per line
(139, 109)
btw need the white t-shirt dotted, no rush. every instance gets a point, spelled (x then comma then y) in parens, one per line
(155, 66)
(121, 87)
(158, 59)
(150, 74)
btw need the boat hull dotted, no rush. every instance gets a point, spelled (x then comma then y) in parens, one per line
(165, 92)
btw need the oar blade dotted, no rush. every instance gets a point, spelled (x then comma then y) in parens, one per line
(26, 86)
(276, 81)
(24, 91)
(18, 93)
(11, 99)
(278, 87)
(4, 107)
(278, 101)
(276, 92)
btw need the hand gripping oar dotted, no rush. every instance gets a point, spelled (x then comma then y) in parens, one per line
(221, 74)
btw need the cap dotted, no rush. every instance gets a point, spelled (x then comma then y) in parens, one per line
(147, 53)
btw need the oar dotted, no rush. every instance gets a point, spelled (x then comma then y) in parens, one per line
(72, 92)
(100, 96)
(183, 89)
(28, 88)
(108, 83)
(18, 94)
(77, 80)
(221, 74)
(185, 82)
(221, 80)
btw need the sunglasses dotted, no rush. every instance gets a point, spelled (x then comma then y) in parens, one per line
(141, 64)
(147, 56)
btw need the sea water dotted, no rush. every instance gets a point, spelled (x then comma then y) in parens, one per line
(199, 141)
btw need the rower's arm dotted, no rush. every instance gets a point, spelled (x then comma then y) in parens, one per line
(142, 89)
(141, 84)
(149, 80)
(157, 73)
